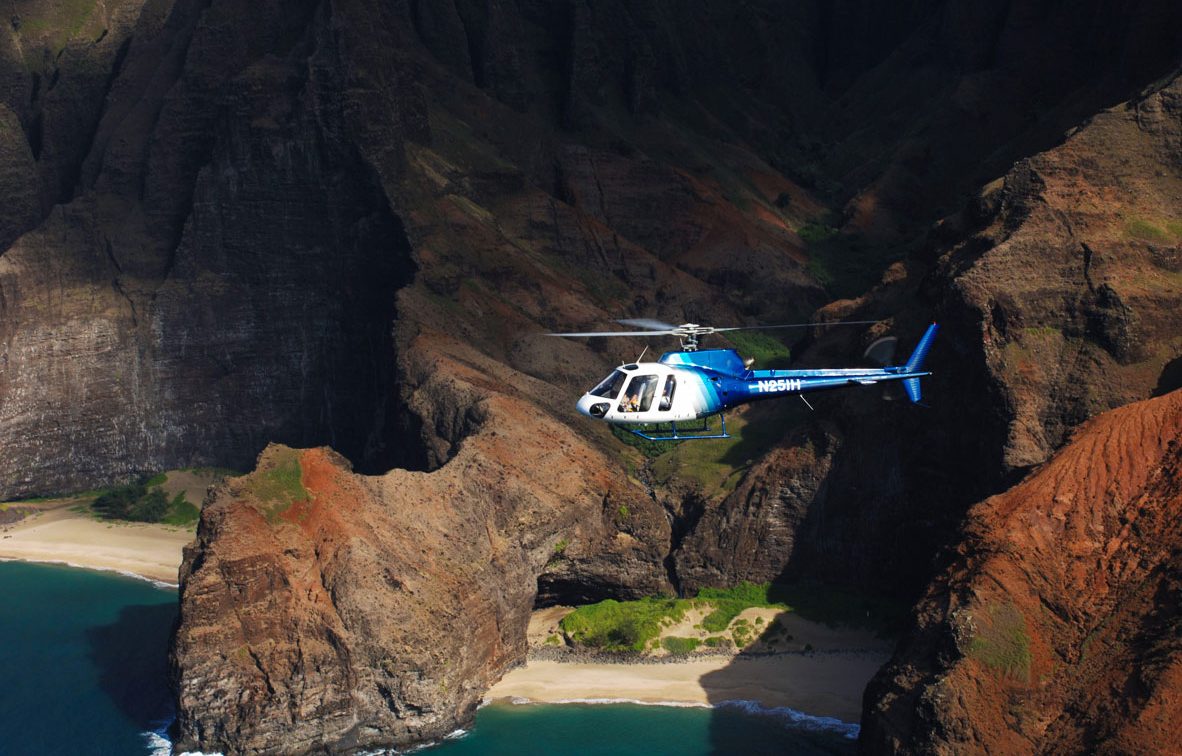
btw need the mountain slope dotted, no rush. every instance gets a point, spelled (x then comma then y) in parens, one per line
(1055, 628)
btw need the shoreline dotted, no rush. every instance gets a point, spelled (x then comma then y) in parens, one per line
(158, 582)
(58, 535)
(819, 685)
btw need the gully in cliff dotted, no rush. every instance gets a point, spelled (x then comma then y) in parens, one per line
(691, 385)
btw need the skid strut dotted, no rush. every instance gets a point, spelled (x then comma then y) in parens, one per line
(673, 433)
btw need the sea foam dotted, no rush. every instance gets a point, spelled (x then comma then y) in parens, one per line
(797, 720)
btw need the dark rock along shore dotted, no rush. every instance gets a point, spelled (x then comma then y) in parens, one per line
(344, 224)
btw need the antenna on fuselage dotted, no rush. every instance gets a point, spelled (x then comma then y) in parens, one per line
(641, 357)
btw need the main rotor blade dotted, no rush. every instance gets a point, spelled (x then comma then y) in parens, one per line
(650, 323)
(794, 325)
(617, 333)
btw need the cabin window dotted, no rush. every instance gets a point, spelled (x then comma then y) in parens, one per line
(667, 394)
(610, 387)
(639, 395)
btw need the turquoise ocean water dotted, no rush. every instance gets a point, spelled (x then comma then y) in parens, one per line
(82, 660)
(83, 671)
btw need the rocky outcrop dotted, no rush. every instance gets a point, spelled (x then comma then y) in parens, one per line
(328, 611)
(1055, 627)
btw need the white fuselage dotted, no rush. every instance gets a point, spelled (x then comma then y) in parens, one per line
(649, 392)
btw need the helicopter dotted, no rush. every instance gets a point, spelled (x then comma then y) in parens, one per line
(691, 385)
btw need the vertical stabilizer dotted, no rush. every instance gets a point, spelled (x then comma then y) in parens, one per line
(915, 363)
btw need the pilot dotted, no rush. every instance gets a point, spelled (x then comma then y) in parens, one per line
(667, 395)
(632, 402)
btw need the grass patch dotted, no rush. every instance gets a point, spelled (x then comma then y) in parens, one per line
(133, 502)
(1041, 331)
(142, 501)
(677, 645)
(182, 512)
(769, 352)
(622, 625)
(636, 625)
(1144, 230)
(1002, 643)
(279, 486)
(730, 602)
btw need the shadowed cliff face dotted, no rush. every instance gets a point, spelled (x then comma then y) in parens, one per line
(1055, 628)
(1056, 292)
(225, 276)
(200, 157)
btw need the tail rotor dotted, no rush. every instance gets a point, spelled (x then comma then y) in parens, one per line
(882, 354)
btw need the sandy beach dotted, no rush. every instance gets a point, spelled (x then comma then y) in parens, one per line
(827, 684)
(58, 534)
(827, 681)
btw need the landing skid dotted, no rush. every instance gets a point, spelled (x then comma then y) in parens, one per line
(673, 433)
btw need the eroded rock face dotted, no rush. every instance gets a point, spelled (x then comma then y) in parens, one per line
(1055, 628)
(1072, 287)
(753, 533)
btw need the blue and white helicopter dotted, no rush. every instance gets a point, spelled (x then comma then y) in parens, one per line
(692, 384)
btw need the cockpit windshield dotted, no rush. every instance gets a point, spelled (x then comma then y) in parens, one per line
(610, 386)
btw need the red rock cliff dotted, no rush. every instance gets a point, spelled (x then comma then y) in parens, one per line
(1056, 627)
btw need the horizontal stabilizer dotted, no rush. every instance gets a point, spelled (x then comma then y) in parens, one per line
(911, 386)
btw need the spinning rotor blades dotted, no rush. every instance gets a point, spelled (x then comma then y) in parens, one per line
(659, 328)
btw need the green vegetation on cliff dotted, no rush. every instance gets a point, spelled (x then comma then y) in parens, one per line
(279, 485)
(769, 352)
(846, 264)
(1002, 643)
(718, 466)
